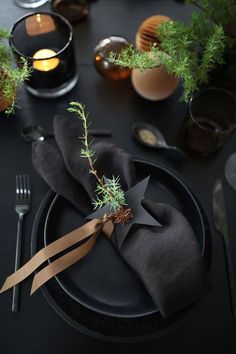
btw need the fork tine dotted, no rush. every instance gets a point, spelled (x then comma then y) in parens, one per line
(21, 186)
(24, 187)
(28, 186)
(17, 187)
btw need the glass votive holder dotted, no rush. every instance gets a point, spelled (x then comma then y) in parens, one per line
(101, 53)
(30, 4)
(210, 120)
(45, 40)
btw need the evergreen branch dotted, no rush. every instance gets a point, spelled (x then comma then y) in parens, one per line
(213, 54)
(134, 59)
(202, 8)
(108, 192)
(107, 195)
(189, 51)
(10, 75)
(79, 109)
(221, 12)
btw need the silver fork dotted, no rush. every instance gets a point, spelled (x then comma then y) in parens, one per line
(22, 207)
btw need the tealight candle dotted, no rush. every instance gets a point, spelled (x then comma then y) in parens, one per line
(47, 64)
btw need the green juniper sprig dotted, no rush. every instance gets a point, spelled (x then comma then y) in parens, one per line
(214, 49)
(11, 76)
(221, 12)
(193, 51)
(189, 51)
(134, 59)
(108, 191)
(14, 77)
(111, 195)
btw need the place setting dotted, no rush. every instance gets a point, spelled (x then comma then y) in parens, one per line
(121, 245)
(130, 295)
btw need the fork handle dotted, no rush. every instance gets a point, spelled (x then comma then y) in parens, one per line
(16, 289)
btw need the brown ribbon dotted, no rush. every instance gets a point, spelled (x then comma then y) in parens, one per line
(90, 230)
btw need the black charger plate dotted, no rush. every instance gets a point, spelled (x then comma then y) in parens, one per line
(102, 281)
(118, 329)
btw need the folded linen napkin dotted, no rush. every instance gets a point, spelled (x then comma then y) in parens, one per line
(167, 259)
(49, 163)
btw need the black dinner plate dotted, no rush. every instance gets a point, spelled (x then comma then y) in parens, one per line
(102, 282)
(93, 324)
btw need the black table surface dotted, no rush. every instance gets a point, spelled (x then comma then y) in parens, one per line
(36, 328)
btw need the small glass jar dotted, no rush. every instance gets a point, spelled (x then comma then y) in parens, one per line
(210, 120)
(72, 10)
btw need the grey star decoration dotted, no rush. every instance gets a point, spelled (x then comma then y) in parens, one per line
(134, 197)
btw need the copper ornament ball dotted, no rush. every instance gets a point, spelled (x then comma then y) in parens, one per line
(101, 53)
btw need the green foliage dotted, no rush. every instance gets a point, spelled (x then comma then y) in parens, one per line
(212, 55)
(193, 50)
(133, 59)
(220, 11)
(10, 75)
(111, 194)
(79, 109)
(108, 191)
(189, 51)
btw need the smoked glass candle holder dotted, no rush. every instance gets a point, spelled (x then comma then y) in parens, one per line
(30, 4)
(101, 53)
(210, 120)
(45, 40)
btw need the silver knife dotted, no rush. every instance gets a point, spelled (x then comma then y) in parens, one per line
(219, 213)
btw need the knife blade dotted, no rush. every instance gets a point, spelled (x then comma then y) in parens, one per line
(219, 214)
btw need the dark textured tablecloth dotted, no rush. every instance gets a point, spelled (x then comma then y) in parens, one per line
(210, 328)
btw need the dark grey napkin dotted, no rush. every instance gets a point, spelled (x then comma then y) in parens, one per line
(48, 162)
(167, 259)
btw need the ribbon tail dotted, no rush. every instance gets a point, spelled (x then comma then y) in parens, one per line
(63, 263)
(108, 228)
(51, 250)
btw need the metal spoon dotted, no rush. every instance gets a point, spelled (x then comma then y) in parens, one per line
(37, 133)
(150, 136)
